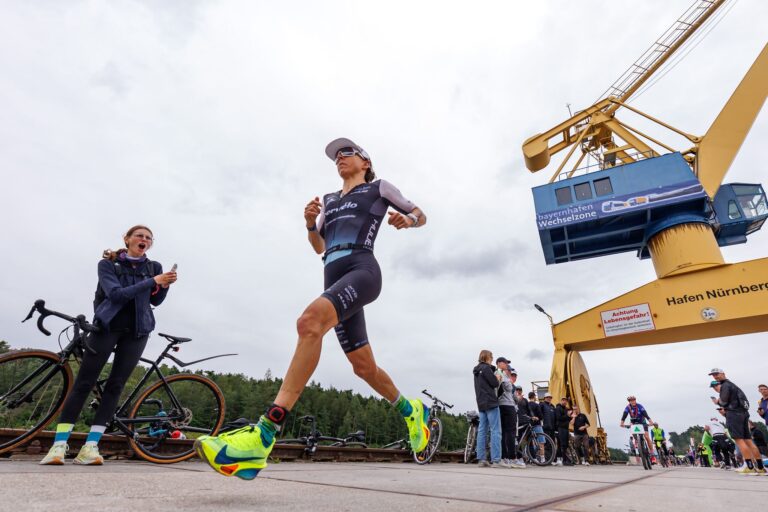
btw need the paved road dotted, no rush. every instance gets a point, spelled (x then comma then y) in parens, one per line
(190, 487)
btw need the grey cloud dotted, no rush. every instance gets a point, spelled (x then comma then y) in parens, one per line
(468, 263)
(111, 77)
(536, 355)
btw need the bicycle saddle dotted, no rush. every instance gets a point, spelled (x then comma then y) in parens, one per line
(360, 434)
(174, 339)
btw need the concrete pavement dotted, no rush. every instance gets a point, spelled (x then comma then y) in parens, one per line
(192, 486)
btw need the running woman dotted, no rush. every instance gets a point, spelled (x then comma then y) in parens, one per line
(129, 285)
(343, 226)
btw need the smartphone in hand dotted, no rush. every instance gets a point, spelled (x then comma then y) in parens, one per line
(174, 267)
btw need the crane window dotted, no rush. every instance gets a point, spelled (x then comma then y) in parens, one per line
(583, 191)
(733, 210)
(603, 187)
(752, 200)
(563, 196)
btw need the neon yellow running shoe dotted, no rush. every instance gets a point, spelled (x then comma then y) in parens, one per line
(241, 453)
(89, 456)
(418, 431)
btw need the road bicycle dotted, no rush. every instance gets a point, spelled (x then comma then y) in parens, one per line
(638, 434)
(435, 433)
(536, 448)
(312, 440)
(156, 418)
(470, 449)
(661, 450)
(435, 427)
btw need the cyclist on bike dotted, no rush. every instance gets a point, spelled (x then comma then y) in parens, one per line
(343, 226)
(637, 416)
(659, 438)
(129, 285)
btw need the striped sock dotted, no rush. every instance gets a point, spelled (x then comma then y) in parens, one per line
(94, 436)
(63, 430)
(268, 430)
(403, 406)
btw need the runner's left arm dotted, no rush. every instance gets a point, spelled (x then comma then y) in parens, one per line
(408, 215)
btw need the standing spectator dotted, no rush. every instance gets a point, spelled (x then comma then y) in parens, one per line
(486, 384)
(762, 404)
(536, 428)
(719, 444)
(548, 416)
(508, 410)
(562, 420)
(759, 439)
(736, 405)
(580, 423)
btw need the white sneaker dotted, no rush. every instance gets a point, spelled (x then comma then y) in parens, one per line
(501, 464)
(585, 463)
(542, 460)
(56, 455)
(484, 464)
(517, 464)
(89, 456)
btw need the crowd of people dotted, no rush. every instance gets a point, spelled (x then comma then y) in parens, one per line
(505, 411)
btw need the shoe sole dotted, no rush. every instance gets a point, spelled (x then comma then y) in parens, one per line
(92, 463)
(53, 462)
(198, 446)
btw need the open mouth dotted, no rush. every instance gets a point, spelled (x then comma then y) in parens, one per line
(142, 245)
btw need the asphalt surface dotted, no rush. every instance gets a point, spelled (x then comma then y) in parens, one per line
(192, 486)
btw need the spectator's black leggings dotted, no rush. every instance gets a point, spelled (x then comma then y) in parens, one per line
(128, 349)
(562, 443)
(508, 431)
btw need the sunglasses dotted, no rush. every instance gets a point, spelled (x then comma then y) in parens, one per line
(347, 152)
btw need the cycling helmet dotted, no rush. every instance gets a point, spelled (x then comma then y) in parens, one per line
(630, 398)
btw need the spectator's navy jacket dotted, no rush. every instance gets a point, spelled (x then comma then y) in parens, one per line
(762, 406)
(486, 385)
(132, 284)
(562, 420)
(547, 415)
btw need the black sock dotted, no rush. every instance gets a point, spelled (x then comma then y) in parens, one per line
(759, 463)
(749, 464)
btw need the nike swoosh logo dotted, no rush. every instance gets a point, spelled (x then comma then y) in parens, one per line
(223, 458)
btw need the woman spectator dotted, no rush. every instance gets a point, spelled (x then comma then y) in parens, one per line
(129, 285)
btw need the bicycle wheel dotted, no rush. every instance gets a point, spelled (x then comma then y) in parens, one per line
(32, 390)
(533, 452)
(469, 449)
(184, 407)
(435, 435)
(644, 452)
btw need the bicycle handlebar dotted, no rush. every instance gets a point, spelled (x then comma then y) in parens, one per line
(78, 321)
(446, 405)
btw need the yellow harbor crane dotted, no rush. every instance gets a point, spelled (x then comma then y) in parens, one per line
(667, 205)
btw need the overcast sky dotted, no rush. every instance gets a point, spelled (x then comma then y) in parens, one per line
(207, 122)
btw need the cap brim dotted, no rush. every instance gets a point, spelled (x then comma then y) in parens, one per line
(333, 147)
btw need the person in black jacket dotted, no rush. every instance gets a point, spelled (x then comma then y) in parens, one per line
(733, 399)
(536, 427)
(129, 285)
(759, 439)
(580, 423)
(548, 416)
(486, 386)
(562, 420)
